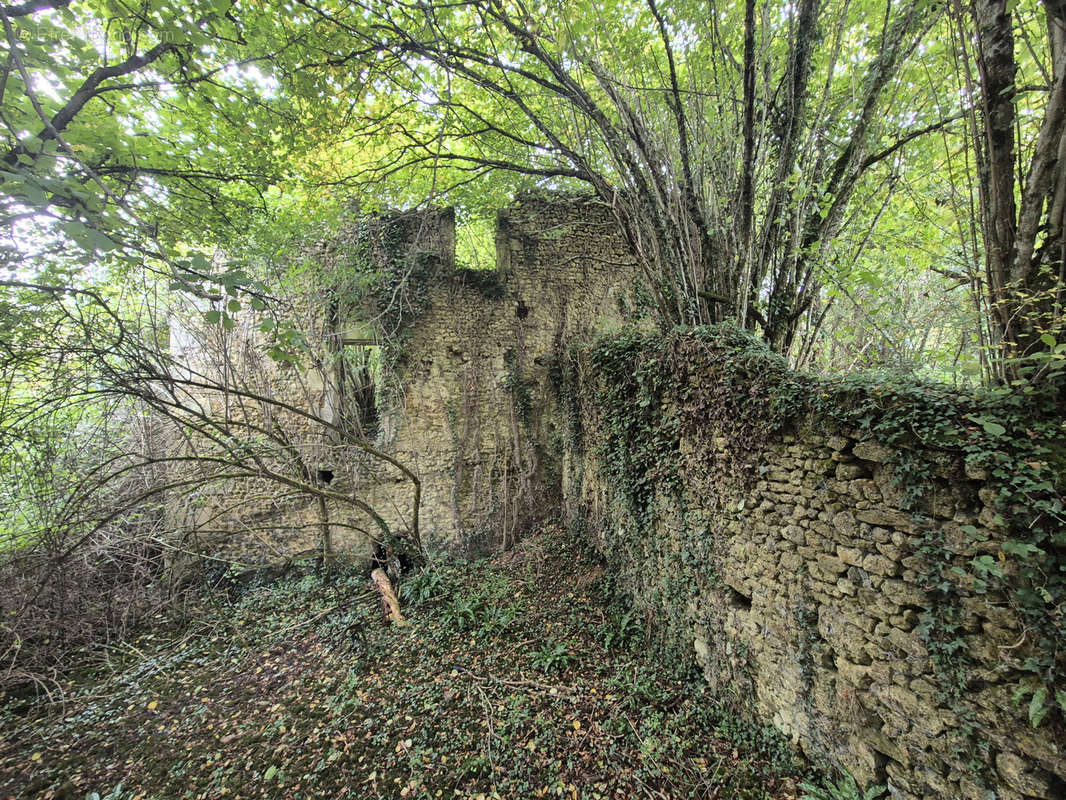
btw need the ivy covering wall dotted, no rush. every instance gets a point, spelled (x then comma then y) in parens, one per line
(874, 565)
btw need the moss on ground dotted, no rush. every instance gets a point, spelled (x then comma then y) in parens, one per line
(518, 677)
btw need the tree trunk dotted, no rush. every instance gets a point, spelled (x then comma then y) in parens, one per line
(1022, 216)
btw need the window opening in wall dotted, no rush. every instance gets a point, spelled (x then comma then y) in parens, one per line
(475, 242)
(359, 376)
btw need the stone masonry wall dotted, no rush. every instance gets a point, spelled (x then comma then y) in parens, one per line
(799, 592)
(464, 404)
(253, 519)
(473, 417)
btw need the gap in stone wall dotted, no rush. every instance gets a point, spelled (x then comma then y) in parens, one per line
(475, 242)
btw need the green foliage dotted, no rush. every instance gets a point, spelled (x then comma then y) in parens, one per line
(552, 657)
(844, 789)
(255, 696)
(426, 585)
(518, 387)
(653, 391)
(621, 629)
(639, 443)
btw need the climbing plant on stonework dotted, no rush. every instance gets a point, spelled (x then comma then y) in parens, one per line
(652, 391)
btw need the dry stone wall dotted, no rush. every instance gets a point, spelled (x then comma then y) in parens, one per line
(797, 575)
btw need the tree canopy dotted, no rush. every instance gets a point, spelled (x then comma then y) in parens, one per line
(777, 164)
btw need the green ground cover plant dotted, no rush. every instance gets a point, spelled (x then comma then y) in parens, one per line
(518, 676)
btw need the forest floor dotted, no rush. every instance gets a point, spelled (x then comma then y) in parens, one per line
(521, 676)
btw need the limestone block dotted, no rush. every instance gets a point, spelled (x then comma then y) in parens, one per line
(902, 594)
(889, 550)
(880, 535)
(855, 674)
(943, 505)
(845, 524)
(837, 443)
(908, 643)
(988, 496)
(880, 565)
(831, 565)
(871, 450)
(846, 587)
(859, 577)
(898, 706)
(989, 518)
(888, 518)
(1022, 776)
(791, 562)
(842, 634)
(885, 746)
(847, 472)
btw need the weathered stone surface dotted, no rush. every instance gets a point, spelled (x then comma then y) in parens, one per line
(847, 472)
(845, 524)
(1020, 775)
(838, 443)
(831, 565)
(871, 450)
(880, 565)
(887, 517)
(855, 674)
(901, 593)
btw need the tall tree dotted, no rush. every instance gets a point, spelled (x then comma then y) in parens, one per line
(730, 176)
(1023, 183)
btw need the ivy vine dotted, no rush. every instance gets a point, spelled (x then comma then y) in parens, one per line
(718, 388)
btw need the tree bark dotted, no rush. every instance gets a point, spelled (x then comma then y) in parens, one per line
(1022, 215)
(389, 602)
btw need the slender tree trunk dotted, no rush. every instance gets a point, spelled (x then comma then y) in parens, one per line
(747, 176)
(325, 532)
(1022, 216)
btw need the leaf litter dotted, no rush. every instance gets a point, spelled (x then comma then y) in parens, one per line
(512, 679)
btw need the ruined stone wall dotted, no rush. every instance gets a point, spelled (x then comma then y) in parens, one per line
(231, 509)
(232, 512)
(473, 415)
(464, 402)
(797, 576)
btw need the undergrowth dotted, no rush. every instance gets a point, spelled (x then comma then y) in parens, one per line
(523, 676)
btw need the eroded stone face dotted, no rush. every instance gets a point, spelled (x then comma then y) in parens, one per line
(468, 405)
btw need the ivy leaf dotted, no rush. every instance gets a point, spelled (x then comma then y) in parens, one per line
(987, 565)
(270, 773)
(990, 427)
(212, 317)
(1022, 549)
(1038, 708)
